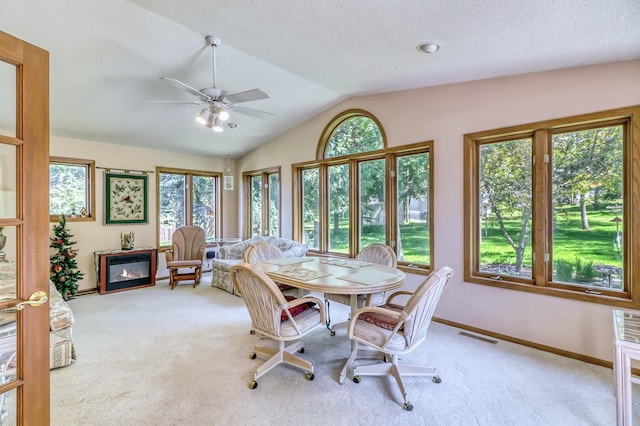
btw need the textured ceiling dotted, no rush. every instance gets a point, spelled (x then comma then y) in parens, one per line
(107, 57)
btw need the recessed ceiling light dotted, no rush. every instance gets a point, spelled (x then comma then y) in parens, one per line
(429, 47)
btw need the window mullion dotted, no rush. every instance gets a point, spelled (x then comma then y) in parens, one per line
(391, 202)
(324, 208)
(541, 209)
(354, 207)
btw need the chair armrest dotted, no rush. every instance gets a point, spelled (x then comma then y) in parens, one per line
(375, 309)
(398, 293)
(201, 251)
(168, 255)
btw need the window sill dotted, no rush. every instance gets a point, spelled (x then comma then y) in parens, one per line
(610, 298)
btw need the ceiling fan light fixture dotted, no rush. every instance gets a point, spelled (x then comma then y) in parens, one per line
(218, 126)
(223, 113)
(211, 121)
(202, 117)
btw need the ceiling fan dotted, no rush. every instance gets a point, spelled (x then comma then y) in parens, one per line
(219, 103)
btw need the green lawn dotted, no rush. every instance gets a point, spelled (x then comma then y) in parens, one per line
(415, 240)
(570, 241)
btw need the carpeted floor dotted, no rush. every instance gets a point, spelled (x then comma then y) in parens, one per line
(153, 356)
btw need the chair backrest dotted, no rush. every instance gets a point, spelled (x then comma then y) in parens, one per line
(188, 243)
(261, 251)
(261, 295)
(381, 254)
(421, 305)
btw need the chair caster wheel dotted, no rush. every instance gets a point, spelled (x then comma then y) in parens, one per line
(253, 384)
(252, 332)
(333, 333)
(310, 376)
(407, 406)
(436, 379)
(356, 379)
(301, 350)
(253, 355)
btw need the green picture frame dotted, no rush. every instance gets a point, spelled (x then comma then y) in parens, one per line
(125, 199)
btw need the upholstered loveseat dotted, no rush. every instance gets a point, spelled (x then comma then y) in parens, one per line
(61, 350)
(231, 255)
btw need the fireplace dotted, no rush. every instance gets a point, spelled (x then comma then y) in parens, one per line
(119, 271)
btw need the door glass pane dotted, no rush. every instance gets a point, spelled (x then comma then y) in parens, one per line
(256, 206)
(8, 100)
(311, 208)
(7, 181)
(413, 240)
(172, 205)
(203, 202)
(372, 213)
(274, 205)
(8, 365)
(588, 208)
(504, 196)
(8, 269)
(8, 408)
(339, 208)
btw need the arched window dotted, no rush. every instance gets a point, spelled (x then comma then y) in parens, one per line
(360, 192)
(354, 135)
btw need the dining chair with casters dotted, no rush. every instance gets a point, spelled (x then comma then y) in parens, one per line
(276, 318)
(394, 330)
(185, 257)
(380, 254)
(263, 251)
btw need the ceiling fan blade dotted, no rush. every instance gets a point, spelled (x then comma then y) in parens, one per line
(252, 112)
(249, 95)
(176, 102)
(188, 88)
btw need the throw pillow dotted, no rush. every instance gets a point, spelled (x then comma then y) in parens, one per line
(296, 309)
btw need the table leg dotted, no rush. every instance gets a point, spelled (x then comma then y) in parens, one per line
(618, 386)
(354, 345)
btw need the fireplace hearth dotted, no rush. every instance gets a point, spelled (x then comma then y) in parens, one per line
(125, 270)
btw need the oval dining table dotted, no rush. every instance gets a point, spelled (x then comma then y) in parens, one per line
(337, 276)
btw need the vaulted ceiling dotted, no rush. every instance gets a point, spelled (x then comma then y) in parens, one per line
(108, 57)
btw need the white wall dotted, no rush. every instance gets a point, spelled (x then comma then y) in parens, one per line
(444, 114)
(96, 236)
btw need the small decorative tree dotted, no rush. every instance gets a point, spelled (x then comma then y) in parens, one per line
(64, 270)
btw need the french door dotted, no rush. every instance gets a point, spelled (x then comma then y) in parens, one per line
(24, 233)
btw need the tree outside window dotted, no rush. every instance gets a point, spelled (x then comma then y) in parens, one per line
(262, 197)
(187, 198)
(359, 192)
(551, 208)
(71, 189)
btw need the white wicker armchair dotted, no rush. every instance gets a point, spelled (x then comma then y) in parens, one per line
(275, 317)
(394, 330)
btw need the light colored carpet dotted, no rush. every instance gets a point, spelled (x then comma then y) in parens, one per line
(153, 356)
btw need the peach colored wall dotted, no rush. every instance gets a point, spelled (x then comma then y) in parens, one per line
(95, 236)
(444, 114)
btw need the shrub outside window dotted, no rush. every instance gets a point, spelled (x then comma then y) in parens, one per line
(548, 207)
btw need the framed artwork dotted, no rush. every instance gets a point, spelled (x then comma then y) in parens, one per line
(126, 199)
